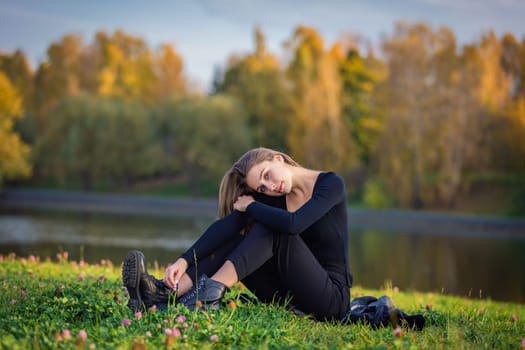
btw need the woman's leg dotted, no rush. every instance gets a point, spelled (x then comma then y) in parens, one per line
(210, 264)
(275, 264)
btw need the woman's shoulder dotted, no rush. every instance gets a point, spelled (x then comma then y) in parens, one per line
(330, 177)
(330, 182)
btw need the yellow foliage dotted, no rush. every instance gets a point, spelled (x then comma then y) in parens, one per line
(13, 152)
(106, 79)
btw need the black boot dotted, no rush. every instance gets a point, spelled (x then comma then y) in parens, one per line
(207, 291)
(144, 290)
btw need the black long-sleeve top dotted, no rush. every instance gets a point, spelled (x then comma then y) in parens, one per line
(322, 223)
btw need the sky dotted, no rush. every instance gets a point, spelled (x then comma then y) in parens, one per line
(207, 32)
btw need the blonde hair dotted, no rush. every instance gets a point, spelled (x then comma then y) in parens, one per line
(233, 183)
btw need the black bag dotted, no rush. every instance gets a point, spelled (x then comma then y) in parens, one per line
(381, 312)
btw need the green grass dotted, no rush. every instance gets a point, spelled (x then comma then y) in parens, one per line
(42, 301)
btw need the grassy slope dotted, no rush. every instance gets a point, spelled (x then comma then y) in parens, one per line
(39, 300)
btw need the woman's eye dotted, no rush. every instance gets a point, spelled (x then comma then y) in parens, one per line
(267, 176)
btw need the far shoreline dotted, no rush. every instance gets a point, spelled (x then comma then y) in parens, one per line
(395, 220)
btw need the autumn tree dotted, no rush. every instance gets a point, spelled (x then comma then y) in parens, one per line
(418, 95)
(57, 76)
(501, 93)
(258, 82)
(126, 67)
(18, 70)
(14, 154)
(118, 66)
(317, 136)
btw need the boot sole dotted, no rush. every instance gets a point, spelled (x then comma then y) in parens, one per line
(131, 279)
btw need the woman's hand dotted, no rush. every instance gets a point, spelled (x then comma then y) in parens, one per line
(242, 202)
(174, 273)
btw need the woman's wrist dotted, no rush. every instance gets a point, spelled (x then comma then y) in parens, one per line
(183, 261)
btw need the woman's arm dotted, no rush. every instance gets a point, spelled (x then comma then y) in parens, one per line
(225, 229)
(329, 191)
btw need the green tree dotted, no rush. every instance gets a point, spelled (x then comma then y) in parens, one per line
(14, 154)
(202, 137)
(99, 141)
(359, 77)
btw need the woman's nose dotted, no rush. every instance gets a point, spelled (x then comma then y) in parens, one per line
(270, 185)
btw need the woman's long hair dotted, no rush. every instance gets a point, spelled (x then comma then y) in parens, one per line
(233, 183)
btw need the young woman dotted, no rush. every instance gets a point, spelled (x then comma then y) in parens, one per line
(282, 232)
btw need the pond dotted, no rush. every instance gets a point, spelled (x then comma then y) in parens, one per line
(464, 265)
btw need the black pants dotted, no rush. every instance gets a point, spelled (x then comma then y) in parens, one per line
(279, 267)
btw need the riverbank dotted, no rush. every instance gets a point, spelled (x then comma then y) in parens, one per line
(389, 220)
(66, 304)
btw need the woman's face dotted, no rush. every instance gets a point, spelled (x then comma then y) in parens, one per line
(273, 178)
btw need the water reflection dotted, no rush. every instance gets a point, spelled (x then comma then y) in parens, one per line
(454, 264)
(466, 266)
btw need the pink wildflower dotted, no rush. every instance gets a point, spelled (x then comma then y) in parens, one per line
(181, 319)
(81, 277)
(148, 334)
(126, 322)
(81, 263)
(101, 278)
(185, 325)
(65, 255)
(176, 332)
(66, 334)
(138, 314)
(523, 343)
(32, 258)
(91, 276)
(82, 334)
(398, 332)
(214, 337)
(13, 301)
(59, 256)
(168, 331)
